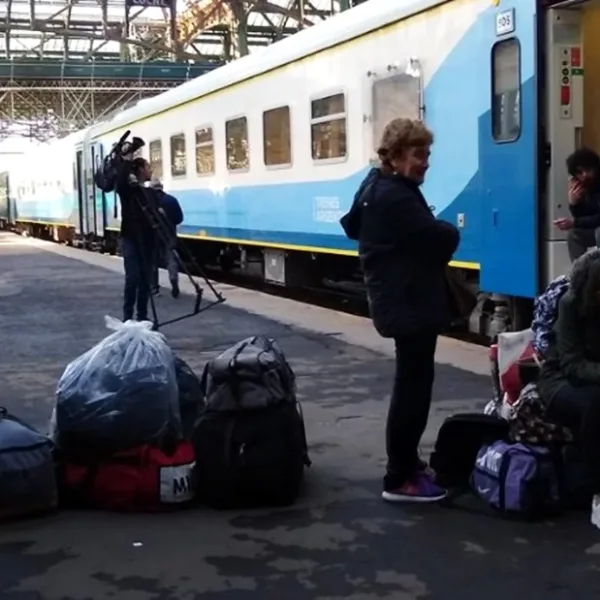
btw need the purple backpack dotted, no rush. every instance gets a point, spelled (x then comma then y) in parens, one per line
(517, 480)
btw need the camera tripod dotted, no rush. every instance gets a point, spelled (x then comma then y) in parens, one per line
(168, 240)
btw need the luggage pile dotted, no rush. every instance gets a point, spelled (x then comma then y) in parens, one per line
(134, 429)
(474, 456)
(511, 458)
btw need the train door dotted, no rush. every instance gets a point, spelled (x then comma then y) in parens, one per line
(571, 45)
(507, 152)
(79, 191)
(99, 200)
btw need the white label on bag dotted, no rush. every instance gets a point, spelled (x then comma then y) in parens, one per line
(177, 483)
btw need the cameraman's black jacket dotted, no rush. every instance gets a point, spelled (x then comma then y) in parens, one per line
(135, 223)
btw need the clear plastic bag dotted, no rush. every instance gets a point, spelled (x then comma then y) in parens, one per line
(120, 393)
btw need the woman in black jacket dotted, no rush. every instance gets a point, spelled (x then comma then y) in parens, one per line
(404, 251)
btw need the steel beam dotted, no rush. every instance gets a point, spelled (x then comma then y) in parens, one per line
(67, 31)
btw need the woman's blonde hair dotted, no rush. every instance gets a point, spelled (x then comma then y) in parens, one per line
(401, 134)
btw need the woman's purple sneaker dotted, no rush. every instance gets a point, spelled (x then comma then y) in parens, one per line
(419, 489)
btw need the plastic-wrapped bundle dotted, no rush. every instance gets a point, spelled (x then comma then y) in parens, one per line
(27, 475)
(121, 393)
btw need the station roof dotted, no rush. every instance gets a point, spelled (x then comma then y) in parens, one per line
(67, 63)
(86, 29)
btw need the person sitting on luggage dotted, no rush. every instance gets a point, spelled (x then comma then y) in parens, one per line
(569, 383)
(172, 216)
(404, 251)
(583, 226)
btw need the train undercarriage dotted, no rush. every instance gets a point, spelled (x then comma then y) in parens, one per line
(301, 273)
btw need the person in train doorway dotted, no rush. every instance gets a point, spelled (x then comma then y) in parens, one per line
(569, 382)
(404, 251)
(137, 236)
(583, 226)
(172, 214)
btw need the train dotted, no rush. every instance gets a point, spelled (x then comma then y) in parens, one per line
(265, 153)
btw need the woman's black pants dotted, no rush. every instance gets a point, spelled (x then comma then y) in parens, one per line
(578, 408)
(409, 405)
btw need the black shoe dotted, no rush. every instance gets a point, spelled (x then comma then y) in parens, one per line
(142, 318)
(127, 317)
(175, 290)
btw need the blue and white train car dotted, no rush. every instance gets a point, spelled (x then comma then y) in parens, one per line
(44, 189)
(265, 153)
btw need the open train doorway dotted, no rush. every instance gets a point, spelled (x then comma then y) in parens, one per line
(571, 98)
(79, 189)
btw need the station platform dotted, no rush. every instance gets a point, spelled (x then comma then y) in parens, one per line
(340, 541)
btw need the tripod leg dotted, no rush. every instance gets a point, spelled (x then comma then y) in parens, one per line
(146, 275)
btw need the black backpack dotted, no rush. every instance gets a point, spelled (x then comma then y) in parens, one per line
(250, 439)
(105, 176)
(191, 397)
(459, 439)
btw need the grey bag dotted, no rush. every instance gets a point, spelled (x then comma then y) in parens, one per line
(27, 472)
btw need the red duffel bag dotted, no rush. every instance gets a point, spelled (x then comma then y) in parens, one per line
(142, 479)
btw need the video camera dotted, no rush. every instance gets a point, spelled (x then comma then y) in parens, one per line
(106, 175)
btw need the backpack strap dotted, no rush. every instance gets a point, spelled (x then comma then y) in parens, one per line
(232, 373)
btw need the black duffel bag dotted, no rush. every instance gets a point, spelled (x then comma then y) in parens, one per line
(27, 471)
(250, 439)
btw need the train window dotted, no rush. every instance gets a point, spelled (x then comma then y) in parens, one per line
(178, 156)
(397, 96)
(156, 159)
(205, 151)
(277, 140)
(506, 90)
(238, 148)
(328, 127)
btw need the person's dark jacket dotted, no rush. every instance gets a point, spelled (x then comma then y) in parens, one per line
(573, 354)
(586, 213)
(135, 224)
(404, 251)
(172, 209)
(350, 222)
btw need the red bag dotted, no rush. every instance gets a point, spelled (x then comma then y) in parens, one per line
(142, 479)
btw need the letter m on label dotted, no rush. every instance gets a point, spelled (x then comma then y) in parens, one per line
(181, 485)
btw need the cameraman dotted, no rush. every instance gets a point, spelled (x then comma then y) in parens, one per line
(137, 235)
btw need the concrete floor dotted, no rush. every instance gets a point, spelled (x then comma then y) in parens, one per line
(339, 541)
